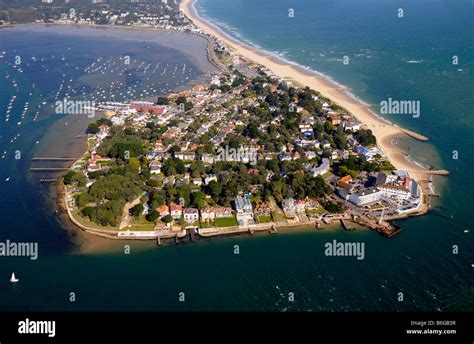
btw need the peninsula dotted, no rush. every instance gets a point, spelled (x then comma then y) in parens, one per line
(263, 145)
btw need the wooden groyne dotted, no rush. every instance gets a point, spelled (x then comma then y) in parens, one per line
(413, 134)
(345, 225)
(433, 172)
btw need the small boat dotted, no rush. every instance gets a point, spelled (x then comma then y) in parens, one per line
(466, 231)
(7, 179)
(13, 279)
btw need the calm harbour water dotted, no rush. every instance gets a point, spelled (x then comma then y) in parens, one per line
(418, 262)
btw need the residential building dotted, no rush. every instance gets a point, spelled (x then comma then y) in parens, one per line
(223, 212)
(244, 210)
(288, 206)
(155, 167)
(208, 214)
(191, 215)
(176, 211)
(163, 210)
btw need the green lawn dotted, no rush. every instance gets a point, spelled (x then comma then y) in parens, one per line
(147, 227)
(141, 220)
(85, 221)
(318, 211)
(264, 218)
(226, 222)
(205, 224)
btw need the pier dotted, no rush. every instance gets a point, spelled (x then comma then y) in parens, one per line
(46, 180)
(48, 169)
(55, 159)
(192, 233)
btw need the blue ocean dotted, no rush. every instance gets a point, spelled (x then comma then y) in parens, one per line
(389, 56)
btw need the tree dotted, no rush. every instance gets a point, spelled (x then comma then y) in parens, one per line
(365, 137)
(92, 128)
(136, 210)
(168, 218)
(133, 165)
(215, 189)
(72, 177)
(162, 101)
(198, 199)
(252, 130)
(152, 216)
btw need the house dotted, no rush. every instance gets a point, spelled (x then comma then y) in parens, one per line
(93, 163)
(262, 209)
(155, 167)
(351, 126)
(103, 131)
(300, 205)
(368, 153)
(209, 178)
(344, 181)
(207, 158)
(208, 214)
(223, 212)
(334, 119)
(284, 156)
(176, 211)
(366, 196)
(244, 210)
(163, 210)
(191, 215)
(185, 155)
(288, 206)
(345, 187)
(197, 181)
(325, 144)
(305, 127)
(310, 155)
(159, 146)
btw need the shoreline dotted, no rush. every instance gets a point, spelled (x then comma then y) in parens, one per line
(335, 92)
(382, 129)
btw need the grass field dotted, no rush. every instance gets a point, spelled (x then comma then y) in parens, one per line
(226, 222)
(264, 218)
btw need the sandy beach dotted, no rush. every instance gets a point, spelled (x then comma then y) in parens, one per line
(384, 131)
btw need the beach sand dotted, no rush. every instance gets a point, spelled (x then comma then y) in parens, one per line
(383, 131)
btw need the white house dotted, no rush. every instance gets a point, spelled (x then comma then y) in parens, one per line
(155, 167)
(191, 215)
(176, 211)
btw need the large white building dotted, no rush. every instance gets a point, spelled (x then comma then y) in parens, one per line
(400, 192)
(366, 196)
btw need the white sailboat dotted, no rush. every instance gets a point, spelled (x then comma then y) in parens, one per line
(13, 279)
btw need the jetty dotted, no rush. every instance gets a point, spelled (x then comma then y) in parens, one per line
(55, 159)
(48, 169)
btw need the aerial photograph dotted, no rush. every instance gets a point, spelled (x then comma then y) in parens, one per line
(178, 164)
